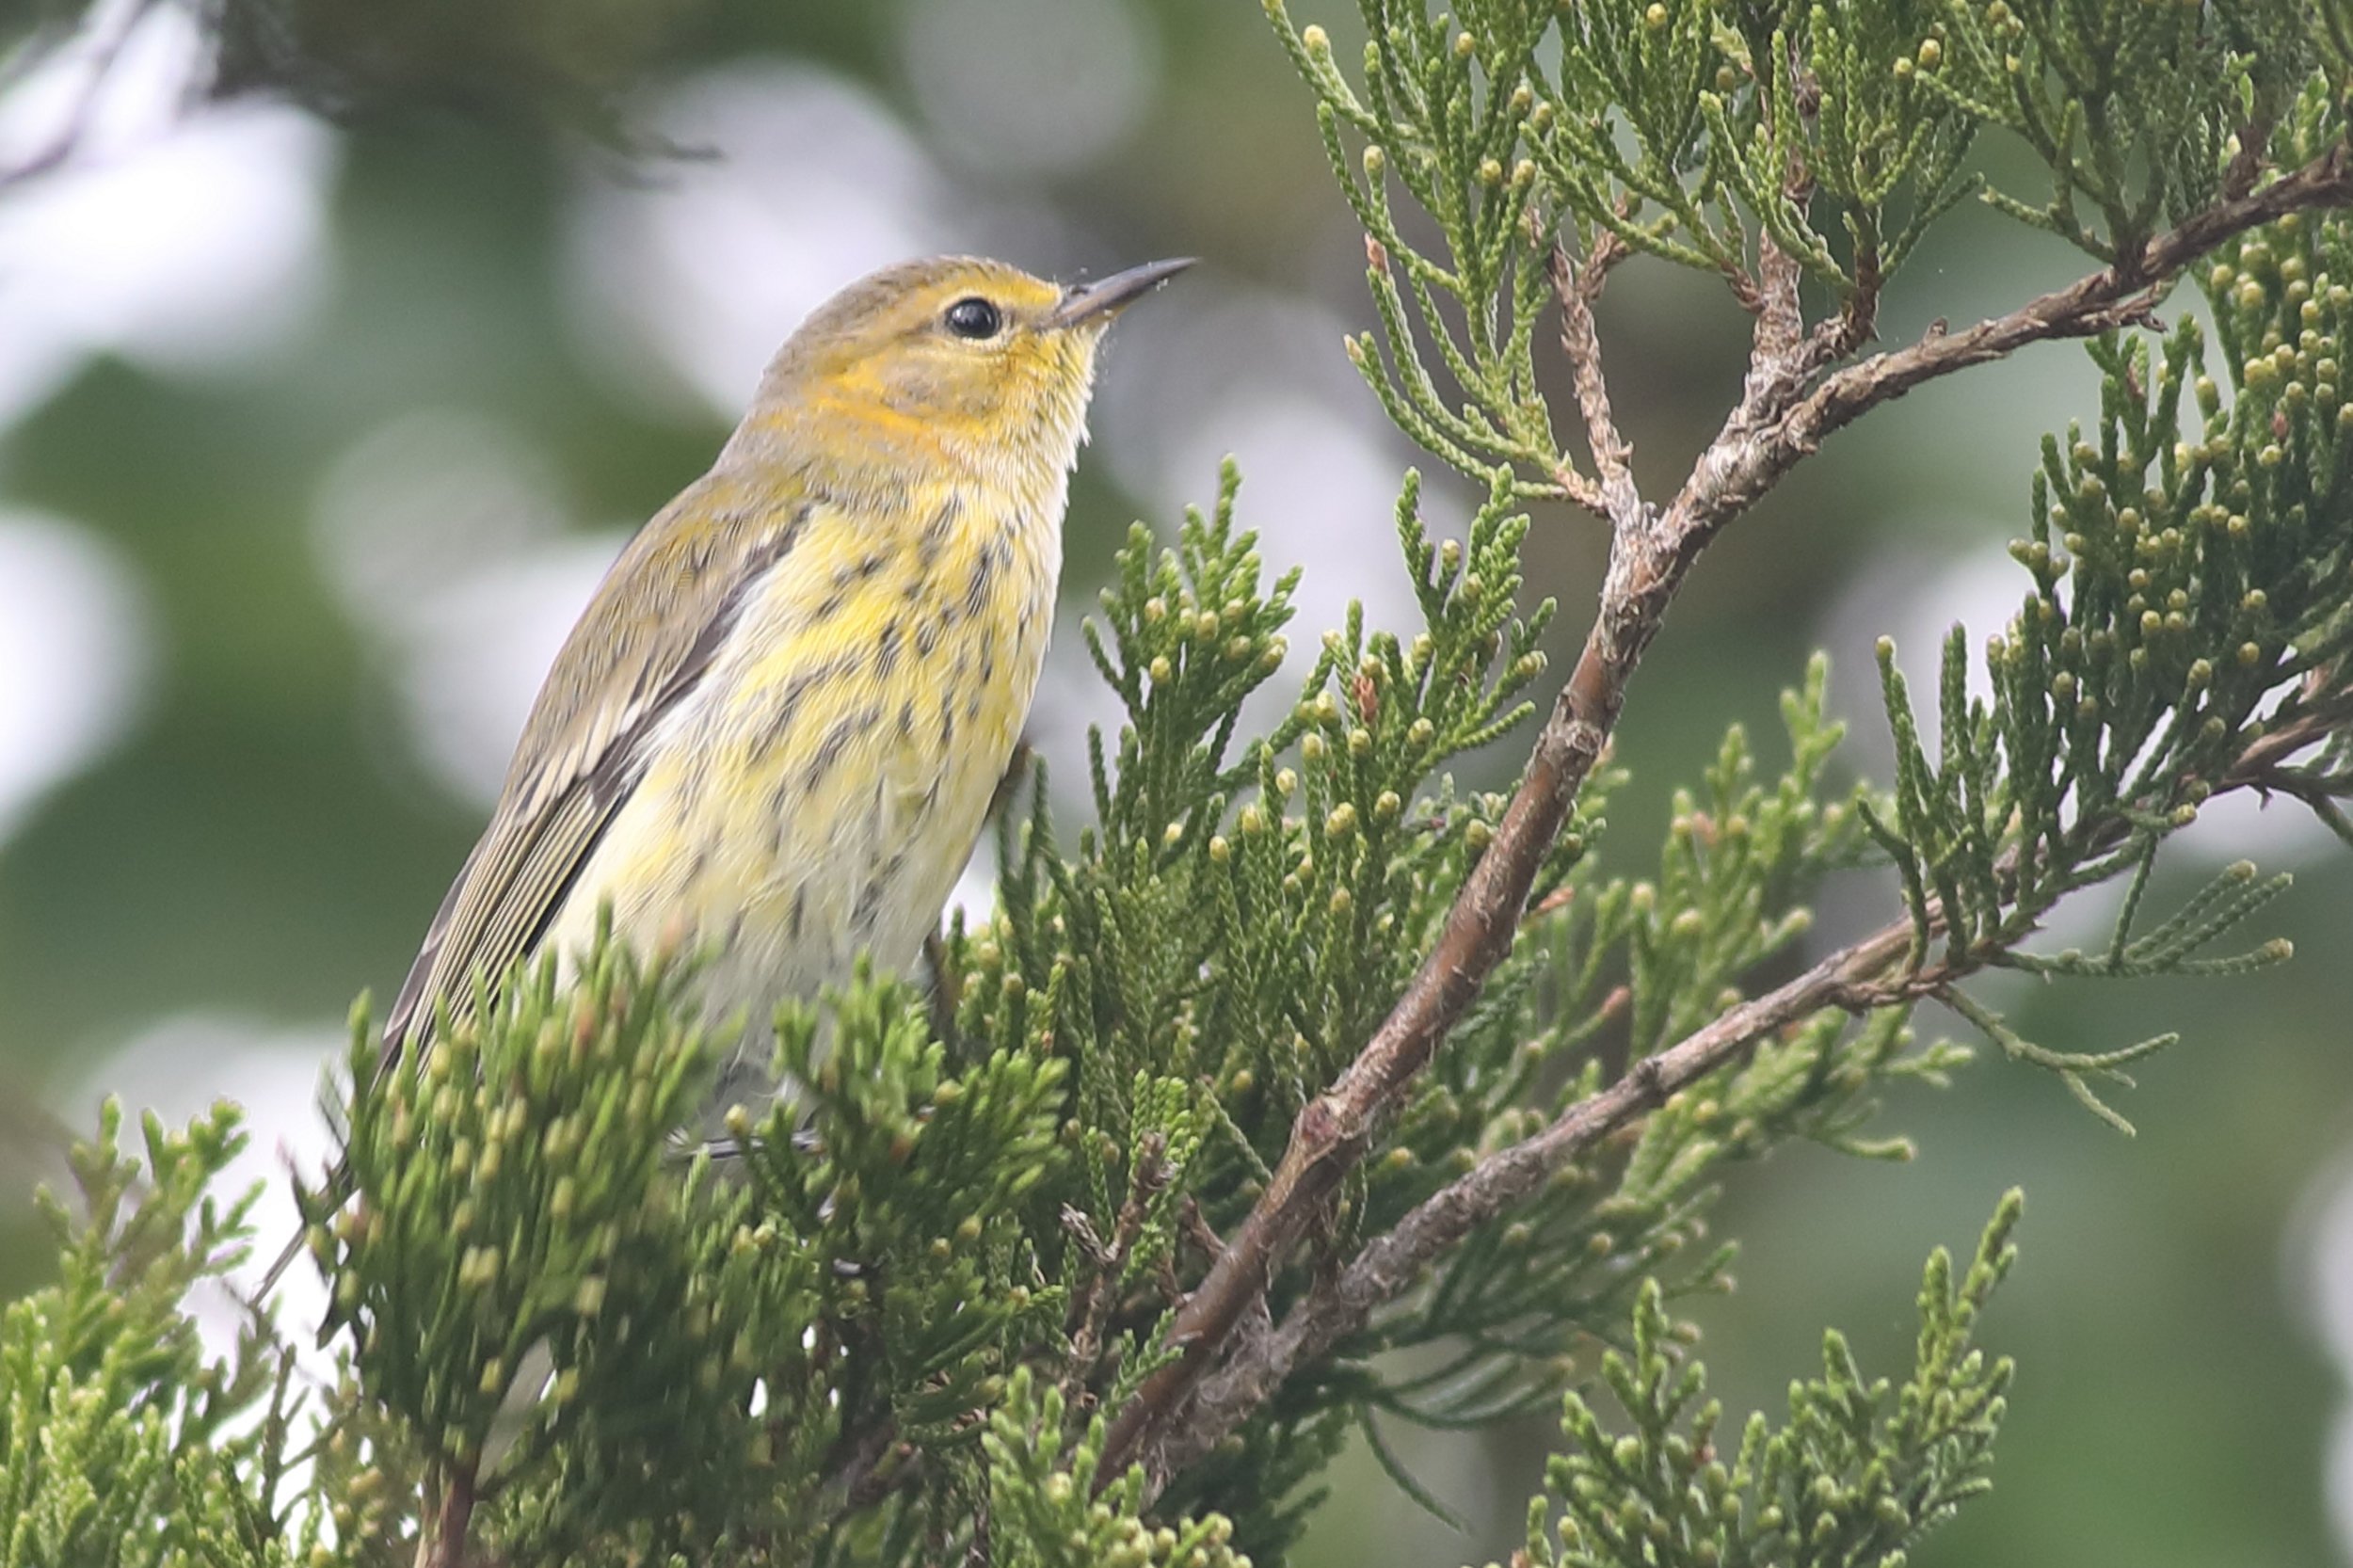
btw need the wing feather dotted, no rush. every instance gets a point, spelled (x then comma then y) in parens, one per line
(647, 639)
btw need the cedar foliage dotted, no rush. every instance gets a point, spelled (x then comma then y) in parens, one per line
(897, 1326)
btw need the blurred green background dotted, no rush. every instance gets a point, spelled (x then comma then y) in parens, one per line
(313, 437)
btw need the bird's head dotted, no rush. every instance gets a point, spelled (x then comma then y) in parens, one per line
(954, 355)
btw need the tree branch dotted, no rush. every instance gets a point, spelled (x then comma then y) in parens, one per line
(1733, 473)
(1617, 500)
(1782, 415)
(1388, 1265)
(1861, 977)
(444, 1544)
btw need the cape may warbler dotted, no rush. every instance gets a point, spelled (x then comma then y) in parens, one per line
(774, 733)
(776, 730)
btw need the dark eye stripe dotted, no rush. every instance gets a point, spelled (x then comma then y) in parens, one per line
(974, 317)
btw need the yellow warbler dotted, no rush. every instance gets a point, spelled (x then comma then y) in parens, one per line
(775, 731)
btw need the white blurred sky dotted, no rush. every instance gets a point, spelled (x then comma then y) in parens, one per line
(75, 650)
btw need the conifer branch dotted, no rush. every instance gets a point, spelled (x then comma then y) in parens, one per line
(1784, 422)
(1786, 410)
(444, 1545)
(1862, 977)
(1387, 1266)
(1615, 499)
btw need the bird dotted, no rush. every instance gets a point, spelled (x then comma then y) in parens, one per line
(774, 733)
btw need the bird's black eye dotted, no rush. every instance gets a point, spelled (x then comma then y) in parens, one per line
(974, 317)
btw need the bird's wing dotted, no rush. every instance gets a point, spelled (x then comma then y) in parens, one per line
(648, 636)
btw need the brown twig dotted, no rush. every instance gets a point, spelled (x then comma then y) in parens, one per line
(1787, 407)
(1731, 476)
(1198, 1229)
(1578, 490)
(1091, 1307)
(1617, 500)
(2323, 711)
(444, 1545)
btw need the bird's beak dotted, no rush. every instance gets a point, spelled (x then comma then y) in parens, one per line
(1108, 296)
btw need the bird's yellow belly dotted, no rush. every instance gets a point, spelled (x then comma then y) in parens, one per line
(822, 794)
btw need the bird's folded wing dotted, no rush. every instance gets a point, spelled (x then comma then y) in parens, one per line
(649, 637)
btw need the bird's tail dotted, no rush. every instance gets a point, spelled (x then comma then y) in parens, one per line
(337, 1189)
(338, 1184)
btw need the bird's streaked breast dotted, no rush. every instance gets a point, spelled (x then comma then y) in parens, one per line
(839, 761)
